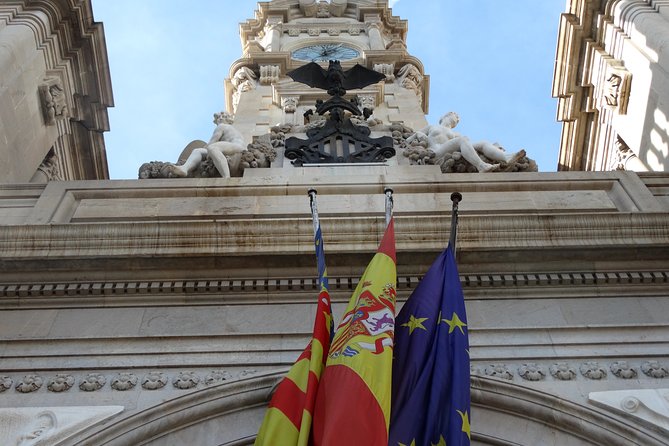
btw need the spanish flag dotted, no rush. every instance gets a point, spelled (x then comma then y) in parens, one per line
(289, 415)
(353, 401)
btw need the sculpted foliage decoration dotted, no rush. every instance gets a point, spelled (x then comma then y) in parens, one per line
(124, 381)
(60, 383)
(29, 383)
(92, 382)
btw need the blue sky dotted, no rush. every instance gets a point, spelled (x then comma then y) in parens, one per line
(491, 61)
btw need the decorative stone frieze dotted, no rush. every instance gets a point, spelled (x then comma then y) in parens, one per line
(124, 381)
(499, 371)
(269, 74)
(334, 31)
(186, 380)
(592, 370)
(29, 383)
(546, 279)
(563, 371)
(532, 372)
(314, 32)
(654, 369)
(92, 382)
(154, 381)
(294, 32)
(49, 168)
(60, 383)
(355, 30)
(5, 383)
(54, 102)
(622, 369)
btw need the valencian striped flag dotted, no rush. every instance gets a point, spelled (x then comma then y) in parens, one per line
(353, 402)
(289, 416)
(431, 397)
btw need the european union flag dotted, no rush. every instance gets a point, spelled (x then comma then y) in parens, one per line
(430, 393)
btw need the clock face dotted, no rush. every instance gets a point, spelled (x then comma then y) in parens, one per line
(325, 52)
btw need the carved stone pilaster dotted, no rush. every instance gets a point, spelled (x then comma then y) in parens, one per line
(269, 74)
(54, 102)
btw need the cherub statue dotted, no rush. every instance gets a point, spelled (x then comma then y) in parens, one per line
(441, 139)
(225, 142)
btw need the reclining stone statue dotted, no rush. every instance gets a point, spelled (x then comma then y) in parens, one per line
(225, 143)
(442, 140)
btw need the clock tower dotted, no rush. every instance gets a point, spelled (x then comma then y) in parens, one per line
(286, 35)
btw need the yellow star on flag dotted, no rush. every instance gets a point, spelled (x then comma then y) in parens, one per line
(442, 442)
(413, 443)
(414, 323)
(466, 428)
(454, 323)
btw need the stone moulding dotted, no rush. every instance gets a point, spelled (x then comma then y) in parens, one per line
(577, 421)
(353, 234)
(252, 286)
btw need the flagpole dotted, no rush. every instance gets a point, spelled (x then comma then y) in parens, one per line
(456, 198)
(314, 209)
(390, 203)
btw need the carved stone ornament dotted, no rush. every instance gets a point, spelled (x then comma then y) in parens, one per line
(654, 369)
(124, 381)
(474, 370)
(616, 88)
(387, 69)
(410, 77)
(247, 373)
(186, 380)
(563, 371)
(334, 31)
(60, 383)
(217, 377)
(54, 104)
(290, 103)
(313, 32)
(294, 32)
(355, 30)
(499, 371)
(622, 369)
(269, 74)
(29, 383)
(323, 10)
(367, 101)
(5, 383)
(649, 405)
(592, 370)
(154, 381)
(532, 372)
(244, 80)
(50, 167)
(92, 382)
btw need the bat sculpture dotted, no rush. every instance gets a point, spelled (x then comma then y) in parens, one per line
(335, 80)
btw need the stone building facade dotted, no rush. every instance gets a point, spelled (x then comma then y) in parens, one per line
(612, 84)
(165, 311)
